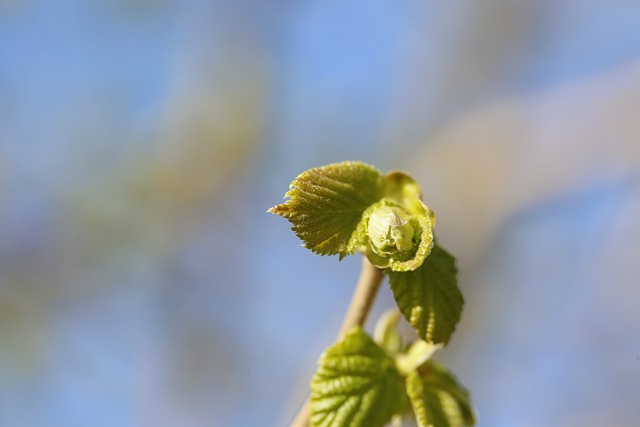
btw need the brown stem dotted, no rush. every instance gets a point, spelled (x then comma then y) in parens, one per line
(302, 417)
(363, 297)
(356, 315)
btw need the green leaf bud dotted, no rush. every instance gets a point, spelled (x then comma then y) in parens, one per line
(390, 230)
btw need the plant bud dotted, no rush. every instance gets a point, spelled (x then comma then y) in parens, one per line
(390, 230)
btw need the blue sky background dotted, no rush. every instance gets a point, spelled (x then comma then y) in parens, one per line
(141, 142)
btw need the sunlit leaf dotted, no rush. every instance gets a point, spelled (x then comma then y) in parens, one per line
(356, 385)
(403, 189)
(417, 354)
(386, 332)
(326, 205)
(437, 398)
(429, 297)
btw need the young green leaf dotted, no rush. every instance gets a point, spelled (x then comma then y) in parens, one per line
(390, 230)
(437, 398)
(396, 239)
(326, 205)
(418, 353)
(386, 334)
(403, 189)
(429, 297)
(356, 385)
(400, 228)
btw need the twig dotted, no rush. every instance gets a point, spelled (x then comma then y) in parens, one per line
(356, 315)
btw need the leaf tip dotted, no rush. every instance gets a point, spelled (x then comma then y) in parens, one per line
(280, 210)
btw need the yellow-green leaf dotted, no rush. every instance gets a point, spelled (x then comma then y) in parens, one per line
(326, 205)
(437, 398)
(356, 385)
(429, 297)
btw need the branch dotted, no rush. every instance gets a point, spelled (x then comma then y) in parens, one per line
(363, 297)
(356, 315)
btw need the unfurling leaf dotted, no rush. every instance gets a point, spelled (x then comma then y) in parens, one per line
(361, 382)
(327, 203)
(356, 385)
(416, 355)
(386, 333)
(437, 398)
(349, 206)
(404, 190)
(390, 230)
(400, 229)
(429, 297)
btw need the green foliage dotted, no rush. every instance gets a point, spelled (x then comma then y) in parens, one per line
(390, 230)
(326, 205)
(437, 398)
(356, 385)
(343, 207)
(389, 254)
(429, 297)
(418, 353)
(361, 383)
(386, 333)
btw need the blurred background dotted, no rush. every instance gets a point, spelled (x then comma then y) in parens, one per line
(143, 284)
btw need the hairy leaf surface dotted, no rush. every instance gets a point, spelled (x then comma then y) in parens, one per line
(438, 399)
(326, 205)
(356, 385)
(429, 297)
